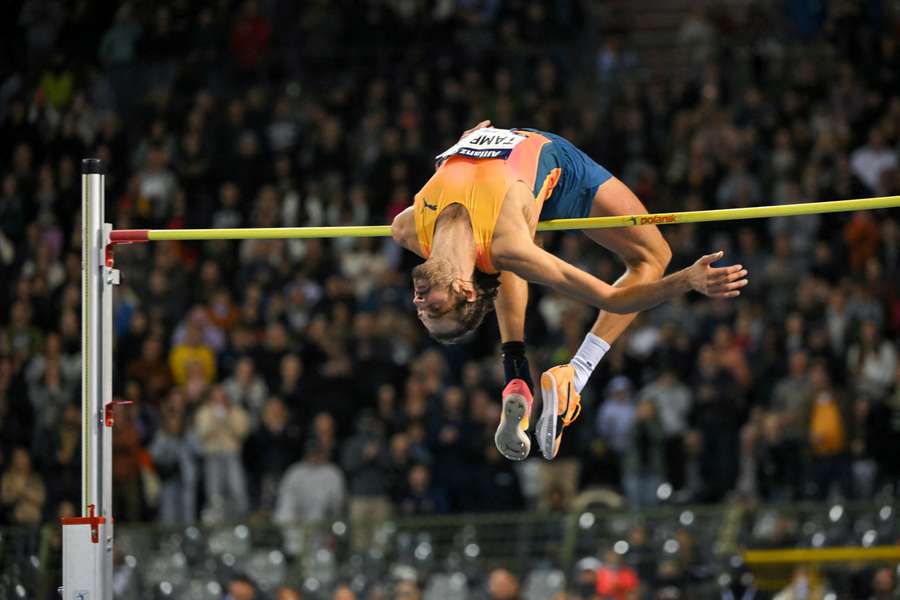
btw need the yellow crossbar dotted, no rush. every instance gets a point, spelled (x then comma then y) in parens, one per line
(697, 216)
(813, 555)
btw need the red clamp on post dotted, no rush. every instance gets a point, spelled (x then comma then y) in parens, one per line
(91, 519)
(108, 418)
(109, 258)
(95, 529)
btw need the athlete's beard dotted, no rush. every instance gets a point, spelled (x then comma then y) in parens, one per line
(434, 273)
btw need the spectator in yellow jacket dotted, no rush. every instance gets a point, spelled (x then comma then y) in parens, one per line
(190, 350)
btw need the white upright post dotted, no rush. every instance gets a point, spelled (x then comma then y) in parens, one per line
(88, 540)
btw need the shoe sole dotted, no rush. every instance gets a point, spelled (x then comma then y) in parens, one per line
(546, 425)
(511, 441)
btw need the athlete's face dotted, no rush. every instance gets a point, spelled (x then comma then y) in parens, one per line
(437, 296)
(435, 309)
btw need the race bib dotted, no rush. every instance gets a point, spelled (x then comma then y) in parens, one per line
(484, 143)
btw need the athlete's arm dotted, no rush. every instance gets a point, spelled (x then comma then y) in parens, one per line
(403, 230)
(510, 305)
(534, 264)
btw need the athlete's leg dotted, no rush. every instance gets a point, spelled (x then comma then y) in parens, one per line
(510, 305)
(643, 249)
(646, 255)
(512, 300)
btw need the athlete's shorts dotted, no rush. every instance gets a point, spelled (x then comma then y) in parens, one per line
(579, 178)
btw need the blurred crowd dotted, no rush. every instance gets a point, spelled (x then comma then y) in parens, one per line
(291, 379)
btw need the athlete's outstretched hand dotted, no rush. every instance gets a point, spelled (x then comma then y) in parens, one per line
(485, 123)
(716, 282)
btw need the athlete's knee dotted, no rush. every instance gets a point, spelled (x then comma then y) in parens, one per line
(651, 262)
(664, 255)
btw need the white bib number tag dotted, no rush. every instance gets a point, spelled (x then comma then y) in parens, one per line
(484, 143)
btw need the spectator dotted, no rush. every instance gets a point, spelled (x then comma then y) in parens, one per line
(250, 37)
(118, 45)
(448, 436)
(269, 451)
(211, 332)
(49, 395)
(640, 552)
(69, 365)
(192, 350)
(790, 398)
(773, 466)
(400, 462)
(740, 584)
(873, 159)
(872, 361)
(365, 462)
(616, 418)
(55, 454)
(861, 235)
(497, 487)
(828, 436)
(584, 583)
(669, 580)
(58, 82)
(672, 400)
(802, 585)
(420, 498)
(291, 384)
(241, 587)
(221, 313)
(288, 593)
(871, 442)
(783, 432)
(731, 355)
(738, 189)
(246, 389)
(884, 584)
(174, 452)
(344, 592)
(407, 590)
(503, 585)
(311, 490)
(715, 426)
(615, 580)
(642, 460)
(157, 185)
(324, 432)
(221, 427)
(228, 213)
(150, 369)
(22, 491)
(129, 461)
(387, 409)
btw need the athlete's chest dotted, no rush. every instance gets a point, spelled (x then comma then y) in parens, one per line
(519, 214)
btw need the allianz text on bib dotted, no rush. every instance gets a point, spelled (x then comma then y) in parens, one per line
(484, 143)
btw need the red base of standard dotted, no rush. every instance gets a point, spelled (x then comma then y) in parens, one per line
(94, 521)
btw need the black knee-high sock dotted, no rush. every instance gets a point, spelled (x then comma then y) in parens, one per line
(515, 363)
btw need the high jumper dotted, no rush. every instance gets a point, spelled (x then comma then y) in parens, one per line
(474, 222)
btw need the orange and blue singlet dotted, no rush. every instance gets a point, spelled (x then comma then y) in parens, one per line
(478, 171)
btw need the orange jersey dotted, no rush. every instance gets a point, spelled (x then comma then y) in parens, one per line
(473, 178)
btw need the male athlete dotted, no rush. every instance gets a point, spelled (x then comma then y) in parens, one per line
(474, 223)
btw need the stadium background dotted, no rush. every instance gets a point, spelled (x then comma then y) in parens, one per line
(279, 382)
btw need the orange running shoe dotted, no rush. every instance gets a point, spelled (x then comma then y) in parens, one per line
(512, 433)
(562, 405)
